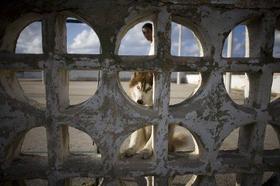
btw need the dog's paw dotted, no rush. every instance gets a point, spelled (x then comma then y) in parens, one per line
(129, 152)
(146, 153)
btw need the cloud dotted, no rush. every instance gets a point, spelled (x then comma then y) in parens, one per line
(187, 49)
(192, 50)
(30, 39)
(85, 42)
(238, 44)
(189, 45)
(238, 47)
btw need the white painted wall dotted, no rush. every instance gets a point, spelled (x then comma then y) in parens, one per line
(238, 81)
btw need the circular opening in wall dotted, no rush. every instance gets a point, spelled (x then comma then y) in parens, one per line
(81, 38)
(82, 143)
(184, 42)
(138, 144)
(276, 46)
(30, 42)
(237, 43)
(83, 84)
(35, 142)
(180, 140)
(30, 39)
(138, 86)
(138, 40)
(183, 85)
(237, 86)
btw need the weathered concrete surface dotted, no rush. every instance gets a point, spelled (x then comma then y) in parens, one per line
(109, 117)
(79, 91)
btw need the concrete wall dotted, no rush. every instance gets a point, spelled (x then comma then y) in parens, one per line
(109, 117)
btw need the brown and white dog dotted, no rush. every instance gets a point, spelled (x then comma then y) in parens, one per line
(141, 92)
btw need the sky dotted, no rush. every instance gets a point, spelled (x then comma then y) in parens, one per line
(82, 39)
(238, 42)
(30, 39)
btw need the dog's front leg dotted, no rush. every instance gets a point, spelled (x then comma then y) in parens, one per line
(137, 141)
(147, 150)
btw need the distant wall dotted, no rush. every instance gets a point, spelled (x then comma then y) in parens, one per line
(237, 81)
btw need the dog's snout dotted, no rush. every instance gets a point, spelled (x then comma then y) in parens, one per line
(139, 101)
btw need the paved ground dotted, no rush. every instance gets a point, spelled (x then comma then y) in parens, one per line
(81, 142)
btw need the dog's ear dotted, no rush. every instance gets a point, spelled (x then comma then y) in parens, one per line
(133, 75)
(150, 75)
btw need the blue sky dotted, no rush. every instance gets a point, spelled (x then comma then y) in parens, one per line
(82, 39)
(30, 39)
(238, 42)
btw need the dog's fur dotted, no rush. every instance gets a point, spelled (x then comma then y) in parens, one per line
(141, 91)
(141, 88)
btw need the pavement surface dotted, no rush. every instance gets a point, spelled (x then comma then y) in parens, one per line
(35, 141)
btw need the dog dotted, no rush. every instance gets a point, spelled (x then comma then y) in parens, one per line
(141, 92)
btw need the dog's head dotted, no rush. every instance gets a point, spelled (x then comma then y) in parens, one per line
(141, 88)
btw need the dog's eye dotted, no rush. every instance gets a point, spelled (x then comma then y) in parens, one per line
(138, 87)
(148, 89)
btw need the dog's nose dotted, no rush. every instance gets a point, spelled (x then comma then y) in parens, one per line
(139, 101)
